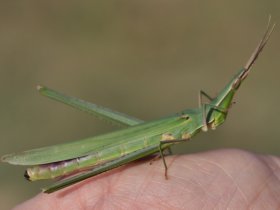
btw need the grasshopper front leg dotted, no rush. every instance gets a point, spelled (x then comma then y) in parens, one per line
(202, 93)
(203, 105)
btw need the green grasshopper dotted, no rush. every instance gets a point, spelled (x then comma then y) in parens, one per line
(76, 161)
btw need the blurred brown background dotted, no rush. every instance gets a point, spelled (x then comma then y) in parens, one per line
(144, 58)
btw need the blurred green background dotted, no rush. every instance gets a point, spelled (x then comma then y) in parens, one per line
(145, 58)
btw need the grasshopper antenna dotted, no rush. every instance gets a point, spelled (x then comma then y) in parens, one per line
(258, 49)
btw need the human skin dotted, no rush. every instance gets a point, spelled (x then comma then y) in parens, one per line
(220, 179)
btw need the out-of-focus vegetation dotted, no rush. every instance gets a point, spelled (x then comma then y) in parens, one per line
(144, 58)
